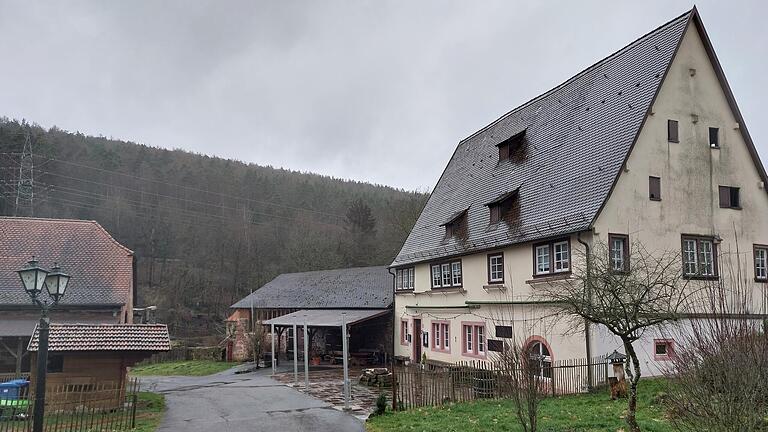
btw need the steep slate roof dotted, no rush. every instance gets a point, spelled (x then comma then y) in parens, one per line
(577, 137)
(352, 288)
(105, 337)
(101, 268)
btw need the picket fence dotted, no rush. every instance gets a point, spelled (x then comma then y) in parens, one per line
(417, 385)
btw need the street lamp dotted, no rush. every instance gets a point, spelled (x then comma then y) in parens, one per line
(34, 278)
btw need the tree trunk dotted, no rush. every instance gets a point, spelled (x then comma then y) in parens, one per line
(633, 376)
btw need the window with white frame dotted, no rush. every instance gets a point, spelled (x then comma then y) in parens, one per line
(456, 273)
(699, 257)
(619, 252)
(761, 263)
(562, 256)
(436, 279)
(663, 349)
(542, 260)
(403, 332)
(441, 336)
(404, 279)
(496, 268)
(474, 339)
(552, 257)
(446, 272)
(447, 275)
(468, 347)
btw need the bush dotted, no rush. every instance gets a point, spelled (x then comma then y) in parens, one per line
(381, 405)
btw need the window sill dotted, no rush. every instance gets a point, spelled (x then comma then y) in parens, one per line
(549, 277)
(473, 355)
(696, 277)
(448, 289)
(731, 208)
(654, 199)
(495, 286)
(404, 291)
(758, 280)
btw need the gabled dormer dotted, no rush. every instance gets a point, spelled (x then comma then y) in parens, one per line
(505, 207)
(456, 225)
(512, 147)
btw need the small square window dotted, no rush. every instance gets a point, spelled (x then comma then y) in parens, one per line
(729, 197)
(663, 349)
(672, 131)
(714, 137)
(654, 188)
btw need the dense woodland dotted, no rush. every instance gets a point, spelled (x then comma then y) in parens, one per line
(206, 230)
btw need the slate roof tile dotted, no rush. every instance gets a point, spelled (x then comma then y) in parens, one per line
(577, 137)
(350, 288)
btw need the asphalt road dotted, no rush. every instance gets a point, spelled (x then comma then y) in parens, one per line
(246, 402)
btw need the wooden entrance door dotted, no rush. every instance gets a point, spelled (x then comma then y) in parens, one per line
(416, 340)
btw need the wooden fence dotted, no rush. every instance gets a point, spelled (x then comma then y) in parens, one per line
(430, 385)
(94, 408)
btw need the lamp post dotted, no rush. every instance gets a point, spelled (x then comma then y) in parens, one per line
(34, 278)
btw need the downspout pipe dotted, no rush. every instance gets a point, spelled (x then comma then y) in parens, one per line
(394, 327)
(587, 324)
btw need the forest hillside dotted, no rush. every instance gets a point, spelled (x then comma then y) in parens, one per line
(206, 230)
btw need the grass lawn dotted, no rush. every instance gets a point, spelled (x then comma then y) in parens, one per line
(186, 368)
(149, 411)
(589, 412)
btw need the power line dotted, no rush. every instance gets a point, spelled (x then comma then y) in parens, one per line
(179, 199)
(190, 188)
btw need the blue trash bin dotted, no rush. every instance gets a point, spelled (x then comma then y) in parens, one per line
(11, 390)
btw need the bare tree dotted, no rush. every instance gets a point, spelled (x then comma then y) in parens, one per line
(523, 384)
(626, 296)
(256, 341)
(719, 373)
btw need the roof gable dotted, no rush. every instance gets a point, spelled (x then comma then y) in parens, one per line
(578, 136)
(101, 268)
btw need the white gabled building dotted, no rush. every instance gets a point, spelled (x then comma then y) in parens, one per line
(647, 145)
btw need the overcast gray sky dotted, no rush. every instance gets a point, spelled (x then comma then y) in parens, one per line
(379, 91)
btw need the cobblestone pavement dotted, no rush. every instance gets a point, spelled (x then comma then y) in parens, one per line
(328, 385)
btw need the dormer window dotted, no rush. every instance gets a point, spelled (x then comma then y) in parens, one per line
(509, 146)
(456, 225)
(506, 207)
